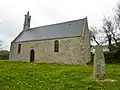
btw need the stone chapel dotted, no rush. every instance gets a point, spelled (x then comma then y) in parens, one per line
(62, 43)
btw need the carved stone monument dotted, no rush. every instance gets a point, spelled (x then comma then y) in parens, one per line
(99, 64)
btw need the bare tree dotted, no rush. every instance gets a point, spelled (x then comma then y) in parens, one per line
(117, 20)
(110, 31)
(93, 33)
(117, 17)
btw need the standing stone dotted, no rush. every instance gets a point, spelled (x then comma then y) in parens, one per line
(99, 64)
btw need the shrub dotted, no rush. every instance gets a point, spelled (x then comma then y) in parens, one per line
(112, 57)
(4, 55)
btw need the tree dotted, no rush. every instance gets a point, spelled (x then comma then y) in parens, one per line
(107, 27)
(117, 17)
(110, 31)
(93, 33)
(4, 55)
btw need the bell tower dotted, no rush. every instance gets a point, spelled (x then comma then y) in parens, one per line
(27, 21)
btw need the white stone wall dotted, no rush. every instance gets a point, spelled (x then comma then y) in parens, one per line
(71, 51)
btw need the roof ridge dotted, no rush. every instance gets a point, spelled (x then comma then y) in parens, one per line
(56, 23)
(64, 30)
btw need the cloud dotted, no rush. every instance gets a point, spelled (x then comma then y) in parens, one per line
(46, 12)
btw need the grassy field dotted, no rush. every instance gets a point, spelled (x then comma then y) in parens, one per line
(39, 76)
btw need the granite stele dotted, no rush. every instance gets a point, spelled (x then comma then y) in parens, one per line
(99, 64)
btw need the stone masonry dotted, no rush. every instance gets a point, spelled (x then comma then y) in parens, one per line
(37, 44)
(71, 51)
(99, 64)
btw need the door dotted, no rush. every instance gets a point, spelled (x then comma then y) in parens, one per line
(32, 55)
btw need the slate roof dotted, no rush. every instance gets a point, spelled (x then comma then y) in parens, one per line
(60, 30)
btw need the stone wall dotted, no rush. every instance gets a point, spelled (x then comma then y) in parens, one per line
(71, 51)
(87, 50)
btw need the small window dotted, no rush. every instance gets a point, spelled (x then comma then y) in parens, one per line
(56, 46)
(19, 48)
(28, 20)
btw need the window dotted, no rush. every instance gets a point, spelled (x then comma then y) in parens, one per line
(28, 20)
(19, 48)
(56, 46)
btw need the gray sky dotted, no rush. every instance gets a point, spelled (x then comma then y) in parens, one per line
(46, 12)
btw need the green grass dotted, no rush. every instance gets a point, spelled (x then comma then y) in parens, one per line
(39, 76)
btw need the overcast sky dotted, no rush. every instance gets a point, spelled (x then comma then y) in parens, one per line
(44, 12)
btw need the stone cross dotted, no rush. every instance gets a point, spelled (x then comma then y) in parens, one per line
(99, 64)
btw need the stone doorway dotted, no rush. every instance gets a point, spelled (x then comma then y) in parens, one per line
(32, 55)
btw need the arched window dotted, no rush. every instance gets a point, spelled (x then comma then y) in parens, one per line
(19, 48)
(56, 46)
